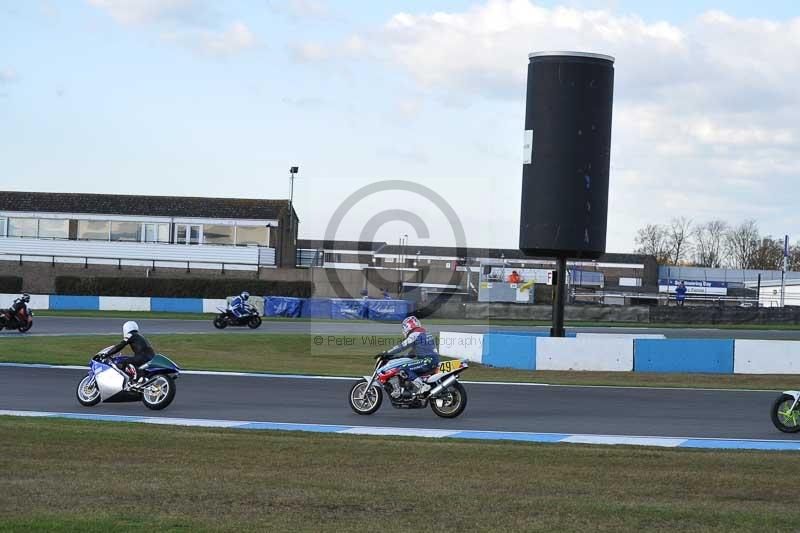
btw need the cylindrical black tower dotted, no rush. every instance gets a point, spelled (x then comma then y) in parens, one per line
(566, 155)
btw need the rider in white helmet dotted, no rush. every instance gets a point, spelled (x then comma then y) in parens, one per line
(141, 347)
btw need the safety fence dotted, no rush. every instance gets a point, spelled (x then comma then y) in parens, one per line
(275, 306)
(623, 353)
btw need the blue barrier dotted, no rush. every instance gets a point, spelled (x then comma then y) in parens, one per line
(349, 309)
(683, 355)
(282, 306)
(316, 308)
(84, 303)
(387, 309)
(509, 350)
(177, 305)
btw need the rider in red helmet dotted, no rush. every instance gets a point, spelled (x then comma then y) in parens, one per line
(423, 352)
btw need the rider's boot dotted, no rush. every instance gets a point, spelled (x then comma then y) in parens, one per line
(420, 387)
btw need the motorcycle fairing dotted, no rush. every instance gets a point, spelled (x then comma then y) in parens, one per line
(110, 381)
(394, 363)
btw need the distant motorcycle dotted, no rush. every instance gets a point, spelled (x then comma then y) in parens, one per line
(106, 382)
(226, 318)
(785, 412)
(21, 320)
(447, 397)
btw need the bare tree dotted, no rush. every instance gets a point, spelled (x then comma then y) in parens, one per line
(741, 243)
(653, 240)
(768, 254)
(678, 239)
(794, 257)
(709, 241)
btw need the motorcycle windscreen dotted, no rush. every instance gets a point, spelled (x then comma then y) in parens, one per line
(110, 382)
(160, 362)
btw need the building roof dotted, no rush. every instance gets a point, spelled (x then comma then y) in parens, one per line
(321, 244)
(136, 205)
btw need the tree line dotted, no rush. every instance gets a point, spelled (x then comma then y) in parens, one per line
(714, 244)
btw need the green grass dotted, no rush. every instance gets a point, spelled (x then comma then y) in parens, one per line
(89, 476)
(339, 355)
(500, 322)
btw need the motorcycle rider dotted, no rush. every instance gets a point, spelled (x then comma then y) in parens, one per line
(238, 305)
(19, 304)
(423, 351)
(142, 350)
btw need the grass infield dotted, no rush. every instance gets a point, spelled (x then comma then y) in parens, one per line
(435, 321)
(338, 355)
(89, 476)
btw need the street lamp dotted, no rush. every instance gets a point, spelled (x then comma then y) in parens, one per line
(292, 175)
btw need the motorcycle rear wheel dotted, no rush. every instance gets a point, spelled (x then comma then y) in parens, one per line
(220, 322)
(88, 394)
(783, 419)
(450, 403)
(254, 322)
(365, 402)
(159, 394)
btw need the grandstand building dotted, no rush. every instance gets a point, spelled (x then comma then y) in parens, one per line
(164, 231)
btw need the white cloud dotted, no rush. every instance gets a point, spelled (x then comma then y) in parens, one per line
(8, 75)
(237, 38)
(310, 52)
(144, 11)
(706, 118)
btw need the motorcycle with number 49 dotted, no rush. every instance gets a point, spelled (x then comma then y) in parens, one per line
(786, 412)
(106, 382)
(226, 318)
(447, 397)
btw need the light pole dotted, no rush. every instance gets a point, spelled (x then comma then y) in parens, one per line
(292, 175)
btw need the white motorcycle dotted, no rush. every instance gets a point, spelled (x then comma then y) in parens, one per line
(786, 412)
(447, 397)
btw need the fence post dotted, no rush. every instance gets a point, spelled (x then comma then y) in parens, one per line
(85, 262)
(119, 263)
(53, 263)
(223, 269)
(188, 270)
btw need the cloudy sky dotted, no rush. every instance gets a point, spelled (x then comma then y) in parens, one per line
(192, 97)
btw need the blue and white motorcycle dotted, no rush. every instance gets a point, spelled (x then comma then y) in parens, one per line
(447, 397)
(107, 383)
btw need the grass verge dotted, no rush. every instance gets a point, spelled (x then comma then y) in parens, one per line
(339, 355)
(90, 476)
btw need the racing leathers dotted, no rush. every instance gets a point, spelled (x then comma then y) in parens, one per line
(142, 351)
(17, 306)
(424, 355)
(238, 307)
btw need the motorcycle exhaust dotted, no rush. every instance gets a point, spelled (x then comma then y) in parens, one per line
(443, 385)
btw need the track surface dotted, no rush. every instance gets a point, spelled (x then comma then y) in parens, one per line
(556, 409)
(112, 326)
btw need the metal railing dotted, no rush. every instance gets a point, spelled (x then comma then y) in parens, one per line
(152, 264)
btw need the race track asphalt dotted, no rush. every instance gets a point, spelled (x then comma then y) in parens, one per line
(491, 407)
(112, 326)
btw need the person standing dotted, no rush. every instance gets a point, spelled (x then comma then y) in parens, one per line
(680, 294)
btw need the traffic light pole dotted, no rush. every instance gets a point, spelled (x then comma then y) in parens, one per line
(558, 298)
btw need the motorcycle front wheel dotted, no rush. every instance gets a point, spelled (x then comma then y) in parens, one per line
(159, 394)
(365, 402)
(254, 322)
(220, 322)
(88, 393)
(25, 327)
(783, 417)
(451, 402)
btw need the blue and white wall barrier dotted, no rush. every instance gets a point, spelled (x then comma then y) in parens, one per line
(623, 353)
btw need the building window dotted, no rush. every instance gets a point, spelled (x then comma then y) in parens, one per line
(333, 258)
(93, 230)
(187, 233)
(125, 231)
(251, 235)
(53, 229)
(2, 227)
(217, 234)
(155, 233)
(22, 227)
